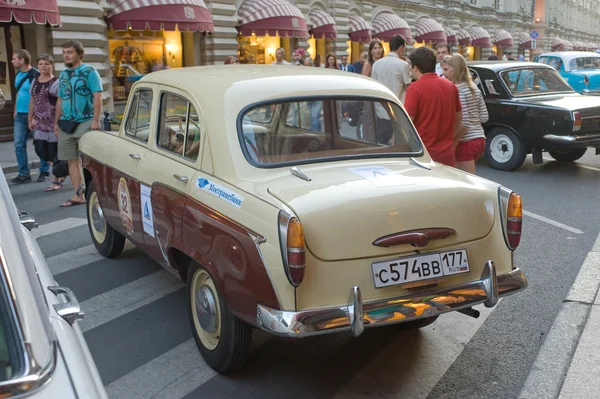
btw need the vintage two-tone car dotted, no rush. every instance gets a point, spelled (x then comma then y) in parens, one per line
(532, 109)
(251, 184)
(43, 354)
(580, 68)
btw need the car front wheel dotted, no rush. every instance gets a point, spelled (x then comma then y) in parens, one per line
(505, 150)
(223, 339)
(567, 155)
(107, 240)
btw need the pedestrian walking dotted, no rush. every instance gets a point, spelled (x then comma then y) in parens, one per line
(279, 54)
(470, 143)
(442, 51)
(375, 53)
(344, 66)
(358, 65)
(42, 114)
(434, 107)
(78, 111)
(21, 61)
(392, 70)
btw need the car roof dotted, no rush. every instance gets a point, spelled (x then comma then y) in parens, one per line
(570, 54)
(498, 66)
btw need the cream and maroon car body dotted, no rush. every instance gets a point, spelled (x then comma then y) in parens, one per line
(223, 222)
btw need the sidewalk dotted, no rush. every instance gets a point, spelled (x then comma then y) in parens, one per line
(568, 364)
(8, 159)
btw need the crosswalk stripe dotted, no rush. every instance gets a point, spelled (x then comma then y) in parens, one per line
(127, 298)
(77, 258)
(412, 365)
(57, 226)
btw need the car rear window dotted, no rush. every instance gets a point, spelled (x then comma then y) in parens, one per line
(528, 81)
(320, 129)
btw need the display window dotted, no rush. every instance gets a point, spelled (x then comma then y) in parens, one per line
(261, 49)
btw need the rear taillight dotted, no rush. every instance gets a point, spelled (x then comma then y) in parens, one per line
(511, 214)
(577, 121)
(291, 238)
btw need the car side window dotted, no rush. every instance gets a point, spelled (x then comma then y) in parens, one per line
(306, 115)
(138, 119)
(555, 63)
(179, 127)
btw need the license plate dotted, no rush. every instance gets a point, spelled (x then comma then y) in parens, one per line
(420, 267)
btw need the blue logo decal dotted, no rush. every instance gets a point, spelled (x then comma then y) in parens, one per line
(146, 211)
(202, 182)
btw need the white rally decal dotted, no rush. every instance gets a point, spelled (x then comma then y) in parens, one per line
(219, 191)
(381, 176)
(147, 217)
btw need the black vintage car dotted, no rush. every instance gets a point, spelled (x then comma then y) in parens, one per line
(533, 109)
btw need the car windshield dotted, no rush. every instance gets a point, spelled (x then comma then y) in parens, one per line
(320, 129)
(528, 81)
(584, 63)
(10, 355)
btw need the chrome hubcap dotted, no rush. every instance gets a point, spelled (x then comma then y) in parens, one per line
(501, 148)
(98, 218)
(206, 309)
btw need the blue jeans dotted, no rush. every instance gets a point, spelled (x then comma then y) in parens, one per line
(21, 135)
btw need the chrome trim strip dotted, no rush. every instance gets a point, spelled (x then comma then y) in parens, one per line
(571, 139)
(487, 290)
(257, 241)
(417, 163)
(298, 173)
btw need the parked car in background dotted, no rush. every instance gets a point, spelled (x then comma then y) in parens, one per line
(279, 214)
(532, 109)
(580, 68)
(42, 351)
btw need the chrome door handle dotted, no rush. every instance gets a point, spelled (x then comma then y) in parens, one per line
(181, 178)
(137, 157)
(70, 310)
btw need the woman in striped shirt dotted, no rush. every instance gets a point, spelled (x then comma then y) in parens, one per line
(471, 143)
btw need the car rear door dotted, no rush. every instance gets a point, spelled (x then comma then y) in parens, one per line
(168, 169)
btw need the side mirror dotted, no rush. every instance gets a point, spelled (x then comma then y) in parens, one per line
(27, 220)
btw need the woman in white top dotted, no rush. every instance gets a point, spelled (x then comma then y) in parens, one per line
(471, 143)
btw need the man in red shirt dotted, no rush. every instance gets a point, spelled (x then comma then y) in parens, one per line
(433, 105)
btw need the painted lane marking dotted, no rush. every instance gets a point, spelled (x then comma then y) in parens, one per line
(412, 365)
(115, 303)
(552, 222)
(77, 258)
(58, 226)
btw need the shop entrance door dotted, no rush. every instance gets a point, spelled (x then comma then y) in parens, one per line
(11, 39)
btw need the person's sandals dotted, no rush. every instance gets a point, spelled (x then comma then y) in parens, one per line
(55, 185)
(70, 202)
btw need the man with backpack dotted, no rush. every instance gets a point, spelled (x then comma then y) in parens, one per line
(21, 61)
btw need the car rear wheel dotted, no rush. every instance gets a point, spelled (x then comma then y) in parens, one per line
(567, 155)
(107, 240)
(223, 339)
(505, 150)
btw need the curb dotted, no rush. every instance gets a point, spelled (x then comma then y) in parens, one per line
(14, 168)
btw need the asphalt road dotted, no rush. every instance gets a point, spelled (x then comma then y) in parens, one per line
(137, 328)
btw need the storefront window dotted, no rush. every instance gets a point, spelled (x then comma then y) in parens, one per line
(320, 47)
(261, 49)
(134, 54)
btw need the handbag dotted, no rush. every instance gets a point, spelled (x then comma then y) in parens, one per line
(68, 126)
(60, 168)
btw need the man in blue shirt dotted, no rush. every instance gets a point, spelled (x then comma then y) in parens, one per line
(77, 111)
(21, 61)
(344, 66)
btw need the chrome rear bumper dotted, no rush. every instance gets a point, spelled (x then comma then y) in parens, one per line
(357, 315)
(577, 140)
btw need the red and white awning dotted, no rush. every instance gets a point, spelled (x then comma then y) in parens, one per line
(480, 37)
(464, 37)
(557, 44)
(40, 12)
(502, 38)
(577, 45)
(428, 30)
(323, 25)
(522, 40)
(271, 17)
(386, 25)
(360, 29)
(568, 45)
(451, 36)
(186, 15)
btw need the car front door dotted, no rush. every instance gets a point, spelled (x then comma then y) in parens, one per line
(168, 169)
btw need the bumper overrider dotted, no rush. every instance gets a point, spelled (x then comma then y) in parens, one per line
(357, 315)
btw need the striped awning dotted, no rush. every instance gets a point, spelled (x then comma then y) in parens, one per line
(271, 17)
(480, 37)
(523, 40)
(577, 45)
(323, 25)
(451, 36)
(186, 15)
(386, 25)
(41, 12)
(360, 29)
(464, 37)
(557, 44)
(428, 30)
(568, 45)
(502, 38)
